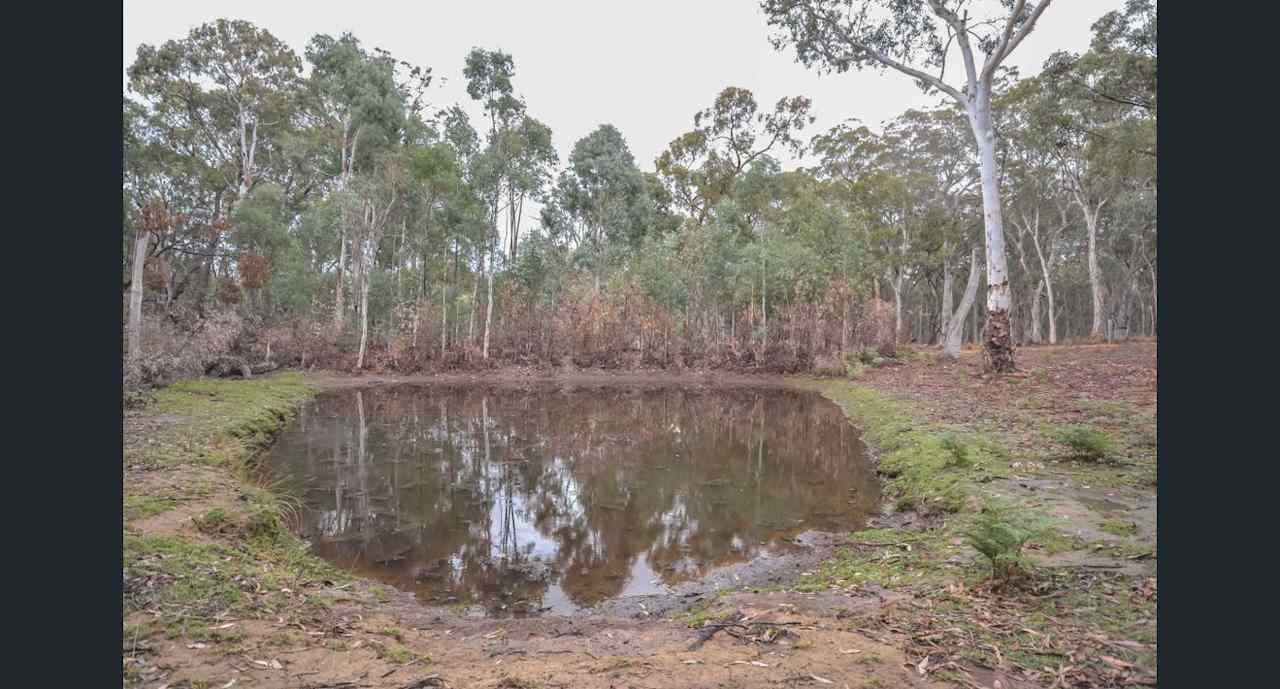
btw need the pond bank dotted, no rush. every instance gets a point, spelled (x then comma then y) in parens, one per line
(217, 589)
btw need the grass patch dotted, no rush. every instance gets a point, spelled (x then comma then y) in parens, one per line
(930, 469)
(1085, 442)
(1052, 542)
(901, 563)
(1117, 409)
(143, 506)
(227, 420)
(400, 655)
(393, 632)
(1120, 527)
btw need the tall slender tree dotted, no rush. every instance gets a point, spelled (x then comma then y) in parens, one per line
(838, 35)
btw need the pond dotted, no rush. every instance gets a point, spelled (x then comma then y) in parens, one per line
(552, 498)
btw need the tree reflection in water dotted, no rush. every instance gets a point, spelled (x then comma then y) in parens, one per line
(528, 498)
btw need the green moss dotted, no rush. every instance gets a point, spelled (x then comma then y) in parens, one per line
(227, 420)
(1119, 527)
(700, 616)
(930, 468)
(888, 566)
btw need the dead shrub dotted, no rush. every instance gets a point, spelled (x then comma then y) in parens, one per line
(229, 292)
(254, 270)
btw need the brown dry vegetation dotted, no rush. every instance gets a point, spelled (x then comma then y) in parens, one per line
(215, 592)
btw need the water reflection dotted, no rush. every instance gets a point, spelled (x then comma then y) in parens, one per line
(528, 499)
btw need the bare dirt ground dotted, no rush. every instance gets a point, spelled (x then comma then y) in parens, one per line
(1089, 622)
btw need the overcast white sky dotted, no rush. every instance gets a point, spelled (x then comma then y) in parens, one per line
(645, 67)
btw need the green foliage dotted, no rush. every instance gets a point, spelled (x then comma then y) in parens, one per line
(999, 532)
(854, 367)
(213, 521)
(957, 449)
(1085, 442)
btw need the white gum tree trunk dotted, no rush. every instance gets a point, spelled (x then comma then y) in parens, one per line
(1091, 215)
(955, 323)
(998, 343)
(948, 300)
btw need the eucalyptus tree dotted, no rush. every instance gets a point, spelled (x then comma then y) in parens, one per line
(1039, 197)
(603, 196)
(217, 94)
(227, 82)
(368, 205)
(838, 35)
(350, 93)
(517, 160)
(187, 189)
(1116, 76)
(530, 158)
(944, 172)
(1102, 105)
(700, 166)
(868, 174)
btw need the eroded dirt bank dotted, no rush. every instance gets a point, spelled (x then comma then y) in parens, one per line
(218, 594)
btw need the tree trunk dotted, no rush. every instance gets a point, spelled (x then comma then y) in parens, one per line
(136, 288)
(488, 307)
(896, 284)
(364, 310)
(1035, 312)
(955, 322)
(948, 301)
(488, 313)
(475, 297)
(338, 314)
(998, 345)
(1095, 273)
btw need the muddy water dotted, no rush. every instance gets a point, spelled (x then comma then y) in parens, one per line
(519, 500)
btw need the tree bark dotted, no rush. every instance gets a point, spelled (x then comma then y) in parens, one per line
(955, 322)
(136, 288)
(488, 311)
(338, 314)
(948, 300)
(998, 344)
(1095, 273)
(1035, 312)
(364, 317)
